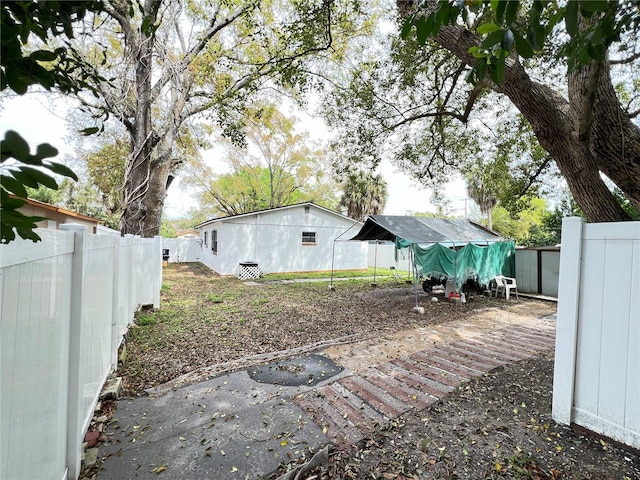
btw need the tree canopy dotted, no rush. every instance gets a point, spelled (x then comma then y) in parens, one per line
(363, 194)
(429, 101)
(172, 64)
(23, 66)
(276, 166)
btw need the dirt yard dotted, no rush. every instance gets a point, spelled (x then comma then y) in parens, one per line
(498, 426)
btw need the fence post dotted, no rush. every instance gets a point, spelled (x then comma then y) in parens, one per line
(117, 311)
(158, 270)
(78, 263)
(133, 273)
(568, 318)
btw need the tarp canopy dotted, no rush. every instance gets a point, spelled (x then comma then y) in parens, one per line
(407, 230)
(482, 254)
(481, 263)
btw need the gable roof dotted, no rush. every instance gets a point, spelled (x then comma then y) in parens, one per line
(425, 230)
(55, 209)
(240, 215)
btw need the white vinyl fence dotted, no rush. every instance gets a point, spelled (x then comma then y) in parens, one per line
(65, 304)
(597, 362)
(383, 255)
(183, 249)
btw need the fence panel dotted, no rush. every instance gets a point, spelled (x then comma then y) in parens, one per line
(527, 270)
(596, 380)
(182, 249)
(65, 304)
(34, 336)
(549, 270)
(149, 270)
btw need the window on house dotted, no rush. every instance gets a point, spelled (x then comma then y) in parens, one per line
(308, 238)
(206, 235)
(306, 210)
(214, 241)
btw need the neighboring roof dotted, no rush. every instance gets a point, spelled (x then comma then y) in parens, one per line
(187, 231)
(53, 208)
(310, 204)
(423, 230)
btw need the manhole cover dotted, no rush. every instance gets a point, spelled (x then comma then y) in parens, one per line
(308, 370)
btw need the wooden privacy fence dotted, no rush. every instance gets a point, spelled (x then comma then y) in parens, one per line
(66, 303)
(597, 361)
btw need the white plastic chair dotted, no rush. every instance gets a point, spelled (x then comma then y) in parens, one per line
(506, 284)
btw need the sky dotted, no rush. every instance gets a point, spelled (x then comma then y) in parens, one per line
(30, 115)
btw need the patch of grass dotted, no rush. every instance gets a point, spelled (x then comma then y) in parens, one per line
(164, 288)
(337, 274)
(213, 298)
(259, 301)
(144, 319)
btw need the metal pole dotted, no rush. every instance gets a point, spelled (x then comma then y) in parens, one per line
(415, 272)
(333, 256)
(375, 265)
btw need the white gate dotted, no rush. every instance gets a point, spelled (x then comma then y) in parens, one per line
(597, 364)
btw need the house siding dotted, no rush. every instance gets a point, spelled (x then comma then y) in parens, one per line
(273, 239)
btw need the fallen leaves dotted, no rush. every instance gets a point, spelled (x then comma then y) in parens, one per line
(192, 332)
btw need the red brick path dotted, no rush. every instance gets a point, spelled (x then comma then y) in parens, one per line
(355, 406)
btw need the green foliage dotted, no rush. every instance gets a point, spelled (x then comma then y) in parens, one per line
(19, 169)
(144, 319)
(45, 194)
(167, 230)
(86, 198)
(363, 194)
(106, 169)
(627, 206)
(520, 226)
(45, 67)
(525, 27)
(278, 166)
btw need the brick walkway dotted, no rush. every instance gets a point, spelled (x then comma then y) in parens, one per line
(355, 406)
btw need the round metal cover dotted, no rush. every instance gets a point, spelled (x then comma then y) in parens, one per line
(307, 370)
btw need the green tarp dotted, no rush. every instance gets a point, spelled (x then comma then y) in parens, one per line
(471, 261)
(435, 245)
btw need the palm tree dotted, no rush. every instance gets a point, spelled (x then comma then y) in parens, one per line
(364, 194)
(481, 189)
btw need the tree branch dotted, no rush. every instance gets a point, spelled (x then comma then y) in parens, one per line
(624, 61)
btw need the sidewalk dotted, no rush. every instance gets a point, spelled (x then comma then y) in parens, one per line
(232, 427)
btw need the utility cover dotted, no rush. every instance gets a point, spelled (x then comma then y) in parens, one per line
(307, 370)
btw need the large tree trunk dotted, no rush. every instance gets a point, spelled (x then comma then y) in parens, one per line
(137, 212)
(585, 135)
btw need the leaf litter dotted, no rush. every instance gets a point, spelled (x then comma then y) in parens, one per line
(496, 426)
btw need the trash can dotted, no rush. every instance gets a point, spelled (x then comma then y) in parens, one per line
(248, 270)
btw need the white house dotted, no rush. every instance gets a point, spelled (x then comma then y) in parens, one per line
(297, 238)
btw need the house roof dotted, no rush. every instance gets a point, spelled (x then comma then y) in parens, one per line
(425, 230)
(310, 204)
(53, 208)
(186, 231)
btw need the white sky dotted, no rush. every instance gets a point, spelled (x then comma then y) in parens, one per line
(30, 117)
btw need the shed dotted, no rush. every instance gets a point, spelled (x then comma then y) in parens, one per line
(455, 248)
(304, 237)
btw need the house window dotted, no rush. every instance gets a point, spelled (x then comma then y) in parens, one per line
(306, 210)
(308, 238)
(214, 241)
(206, 235)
